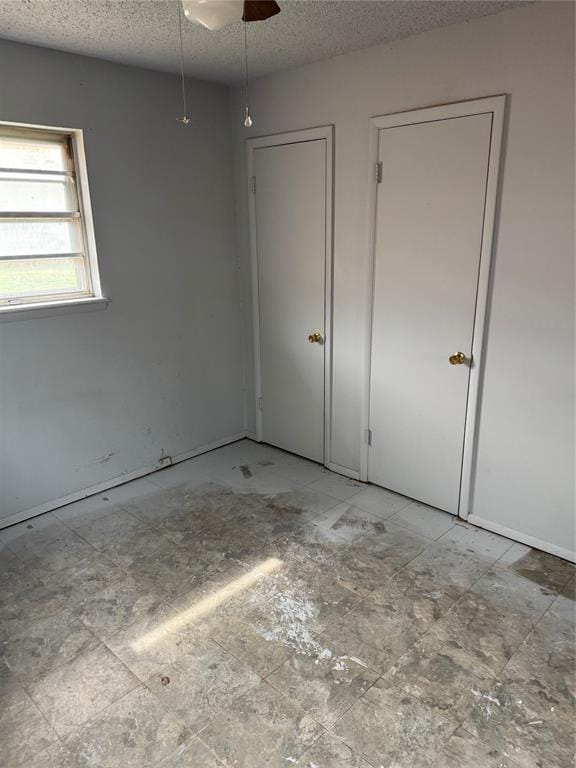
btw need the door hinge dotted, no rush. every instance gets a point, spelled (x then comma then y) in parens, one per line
(368, 436)
(259, 401)
(253, 184)
(378, 173)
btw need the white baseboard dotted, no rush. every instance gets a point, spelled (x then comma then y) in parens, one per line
(346, 471)
(106, 485)
(523, 538)
(351, 473)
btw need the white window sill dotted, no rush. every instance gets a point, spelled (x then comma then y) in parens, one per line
(50, 308)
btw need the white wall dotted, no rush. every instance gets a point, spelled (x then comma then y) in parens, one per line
(525, 466)
(86, 398)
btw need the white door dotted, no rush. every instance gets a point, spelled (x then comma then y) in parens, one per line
(290, 222)
(429, 223)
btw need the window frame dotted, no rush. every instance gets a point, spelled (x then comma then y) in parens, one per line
(92, 297)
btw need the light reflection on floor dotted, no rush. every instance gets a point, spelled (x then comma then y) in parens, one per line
(191, 615)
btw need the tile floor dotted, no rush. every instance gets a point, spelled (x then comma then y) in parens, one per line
(250, 609)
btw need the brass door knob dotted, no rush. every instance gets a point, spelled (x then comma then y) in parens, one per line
(458, 359)
(315, 338)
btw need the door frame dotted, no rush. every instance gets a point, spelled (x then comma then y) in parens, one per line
(497, 106)
(274, 140)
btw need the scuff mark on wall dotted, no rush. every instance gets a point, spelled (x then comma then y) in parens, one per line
(165, 460)
(106, 458)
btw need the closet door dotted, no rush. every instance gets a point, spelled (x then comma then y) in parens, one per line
(290, 221)
(429, 223)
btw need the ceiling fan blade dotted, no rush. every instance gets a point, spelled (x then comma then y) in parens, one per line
(259, 10)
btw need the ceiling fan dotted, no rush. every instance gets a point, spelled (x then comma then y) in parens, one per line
(217, 14)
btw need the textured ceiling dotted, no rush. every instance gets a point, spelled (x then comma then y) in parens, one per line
(145, 32)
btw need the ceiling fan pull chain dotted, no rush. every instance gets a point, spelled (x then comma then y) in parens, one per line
(247, 117)
(185, 120)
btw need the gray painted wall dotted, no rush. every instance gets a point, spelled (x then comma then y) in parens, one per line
(86, 398)
(525, 466)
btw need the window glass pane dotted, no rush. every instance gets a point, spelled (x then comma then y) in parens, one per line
(33, 154)
(30, 192)
(29, 238)
(37, 277)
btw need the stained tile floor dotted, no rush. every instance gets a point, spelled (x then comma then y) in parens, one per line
(248, 608)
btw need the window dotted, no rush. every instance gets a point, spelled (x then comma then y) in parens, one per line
(47, 251)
